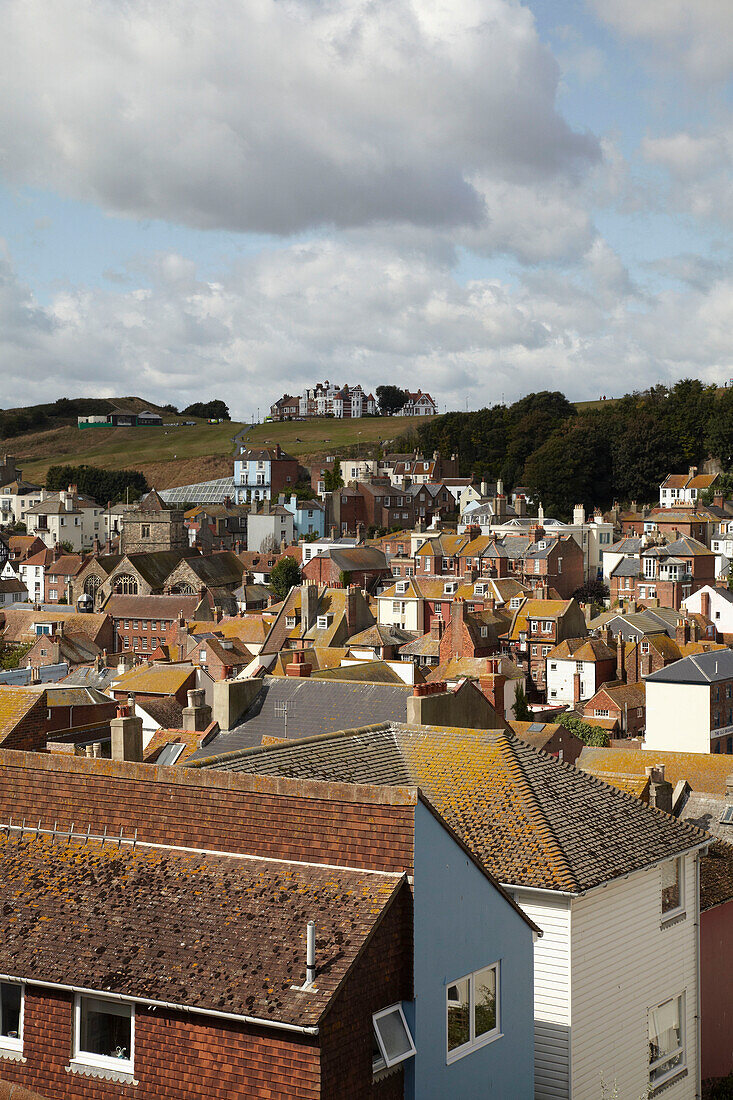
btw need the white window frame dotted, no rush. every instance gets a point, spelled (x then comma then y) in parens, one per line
(681, 1066)
(9, 1047)
(488, 1036)
(679, 910)
(385, 1062)
(112, 1067)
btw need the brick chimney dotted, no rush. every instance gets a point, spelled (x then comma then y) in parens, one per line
(308, 605)
(705, 604)
(352, 606)
(436, 629)
(492, 684)
(127, 736)
(660, 789)
(197, 715)
(298, 667)
(682, 630)
(620, 658)
(576, 689)
(520, 505)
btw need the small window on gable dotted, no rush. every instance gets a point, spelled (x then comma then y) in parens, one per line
(392, 1041)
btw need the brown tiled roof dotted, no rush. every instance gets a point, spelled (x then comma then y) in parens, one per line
(15, 702)
(716, 875)
(371, 672)
(151, 607)
(530, 819)
(583, 649)
(19, 623)
(537, 609)
(229, 933)
(165, 710)
(157, 679)
(632, 695)
(191, 739)
(706, 772)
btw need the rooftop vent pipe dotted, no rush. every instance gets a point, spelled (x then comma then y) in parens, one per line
(310, 957)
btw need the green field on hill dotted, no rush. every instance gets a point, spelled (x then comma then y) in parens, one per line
(179, 456)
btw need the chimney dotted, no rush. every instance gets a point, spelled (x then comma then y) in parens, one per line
(579, 515)
(57, 551)
(620, 659)
(359, 534)
(352, 596)
(705, 604)
(682, 630)
(436, 629)
(308, 605)
(729, 786)
(576, 689)
(492, 684)
(197, 715)
(660, 789)
(484, 488)
(127, 736)
(520, 505)
(298, 667)
(332, 532)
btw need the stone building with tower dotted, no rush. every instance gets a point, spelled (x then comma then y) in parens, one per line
(152, 526)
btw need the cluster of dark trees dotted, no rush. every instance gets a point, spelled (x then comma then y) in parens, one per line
(101, 485)
(391, 399)
(209, 410)
(617, 450)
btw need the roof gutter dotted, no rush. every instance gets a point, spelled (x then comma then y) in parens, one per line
(278, 1025)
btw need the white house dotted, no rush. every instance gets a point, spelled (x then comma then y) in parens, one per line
(588, 659)
(66, 517)
(715, 603)
(325, 545)
(689, 704)
(684, 488)
(418, 404)
(274, 522)
(402, 605)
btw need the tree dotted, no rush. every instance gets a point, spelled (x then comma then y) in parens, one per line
(589, 734)
(594, 592)
(520, 709)
(209, 410)
(391, 399)
(269, 545)
(332, 479)
(285, 575)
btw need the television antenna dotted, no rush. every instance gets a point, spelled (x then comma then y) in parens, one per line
(283, 710)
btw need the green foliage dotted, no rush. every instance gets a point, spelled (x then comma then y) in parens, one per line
(520, 709)
(594, 592)
(344, 578)
(391, 399)
(284, 576)
(66, 546)
(302, 490)
(621, 450)
(332, 479)
(209, 410)
(12, 655)
(101, 485)
(721, 1089)
(589, 734)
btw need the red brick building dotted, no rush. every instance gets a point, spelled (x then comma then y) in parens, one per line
(364, 566)
(667, 573)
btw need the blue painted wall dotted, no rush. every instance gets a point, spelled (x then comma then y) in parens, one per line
(463, 923)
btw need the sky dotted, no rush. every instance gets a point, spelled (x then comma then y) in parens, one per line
(480, 198)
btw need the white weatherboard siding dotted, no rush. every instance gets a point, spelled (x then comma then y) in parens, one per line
(677, 717)
(561, 680)
(624, 963)
(551, 992)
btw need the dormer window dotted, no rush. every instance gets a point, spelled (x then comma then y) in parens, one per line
(322, 622)
(449, 588)
(290, 621)
(401, 587)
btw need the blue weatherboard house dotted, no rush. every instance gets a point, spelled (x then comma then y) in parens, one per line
(309, 516)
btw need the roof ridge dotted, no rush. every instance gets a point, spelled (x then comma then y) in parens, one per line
(534, 811)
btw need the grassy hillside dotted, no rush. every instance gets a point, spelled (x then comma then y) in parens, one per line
(178, 456)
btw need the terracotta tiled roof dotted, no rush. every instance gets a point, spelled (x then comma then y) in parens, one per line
(165, 710)
(536, 609)
(19, 623)
(155, 679)
(530, 819)
(229, 933)
(582, 649)
(705, 772)
(190, 739)
(371, 672)
(14, 705)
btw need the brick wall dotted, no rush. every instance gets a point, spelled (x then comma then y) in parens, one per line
(177, 1056)
(284, 818)
(381, 977)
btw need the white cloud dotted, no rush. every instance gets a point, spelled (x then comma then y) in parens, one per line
(277, 116)
(700, 168)
(697, 34)
(360, 311)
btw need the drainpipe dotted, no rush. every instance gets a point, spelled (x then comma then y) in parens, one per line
(698, 1015)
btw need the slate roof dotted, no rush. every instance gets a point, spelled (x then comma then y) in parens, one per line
(91, 676)
(157, 566)
(371, 672)
(315, 706)
(378, 635)
(229, 933)
(530, 819)
(702, 668)
(356, 558)
(627, 567)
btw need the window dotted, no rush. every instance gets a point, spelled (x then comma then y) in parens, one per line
(578, 666)
(322, 622)
(553, 668)
(645, 647)
(290, 621)
(472, 1011)
(666, 1040)
(392, 1041)
(145, 531)
(104, 1034)
(12, 1002)
(601, 713)
(673, 901)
